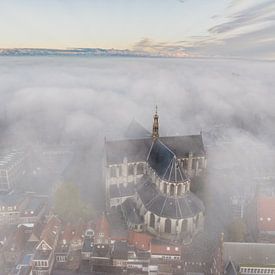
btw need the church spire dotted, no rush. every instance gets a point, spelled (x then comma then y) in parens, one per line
(155, 132)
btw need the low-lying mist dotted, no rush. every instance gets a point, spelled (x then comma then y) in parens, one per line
(83, 100)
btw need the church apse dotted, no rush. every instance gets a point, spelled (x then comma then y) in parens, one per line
(148, 177)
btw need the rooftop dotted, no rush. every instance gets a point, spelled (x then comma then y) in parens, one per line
(176, 207)
(249, 253)
(164, 162)
(137, 150)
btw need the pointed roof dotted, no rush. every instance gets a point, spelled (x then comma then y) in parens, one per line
(136, 130)
(102, 226)
(50, 232)
(175, 207)
(164, 162)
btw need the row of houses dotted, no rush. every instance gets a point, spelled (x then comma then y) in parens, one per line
(38, 247)
(18, 208)
(244, 258)
(136, 252)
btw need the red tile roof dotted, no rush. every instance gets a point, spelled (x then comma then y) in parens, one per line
(102, 226)
(139, 240)
(266, 213)
(165, 249)
(51, 230)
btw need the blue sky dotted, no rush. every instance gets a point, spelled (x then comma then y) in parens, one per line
(192, 27)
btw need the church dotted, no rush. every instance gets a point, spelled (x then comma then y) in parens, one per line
(148, 178)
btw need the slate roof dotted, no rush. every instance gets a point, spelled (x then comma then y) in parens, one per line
(182, 145)
(249, 253)
(120, 190)
(165, 163)
(136, 130)
(179, 207)
(120, 250)
(137, 149)
(34, 206)
(88, 245)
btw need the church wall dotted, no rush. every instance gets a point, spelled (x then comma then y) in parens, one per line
(120, 174)
(193, 165)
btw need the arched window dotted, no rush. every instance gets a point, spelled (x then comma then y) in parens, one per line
(172, 189)
(152, 220)
(140, 168)
(119, 171)
(184, 226)
(113, 172)
(165, 188)
(179, 189)
(130, 169)
(194, 163)
(167, 226)
(197, 221)
(184, 164)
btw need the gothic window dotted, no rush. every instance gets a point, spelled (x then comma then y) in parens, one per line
(113, 172)
(197, 221)
(152, 220)
(201, 163)
(179, 189)
(165, 188)
(140, 168)
(194, 161)
(131, 169)
(184, 163)
(167, 226)
(120, 171)
(184, 226)
(172, 190)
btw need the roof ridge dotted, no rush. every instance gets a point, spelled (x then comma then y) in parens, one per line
(167, 148)
(167, 168)
(179, 168)
(179, 207)
(148, 155)
(163, 205)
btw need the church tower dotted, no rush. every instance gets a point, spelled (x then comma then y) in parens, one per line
(155, 132)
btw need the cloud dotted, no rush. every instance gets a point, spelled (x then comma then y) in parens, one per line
(177, 49)
(245, 30)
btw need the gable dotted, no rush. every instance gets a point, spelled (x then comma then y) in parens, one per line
(43, 245)
(33, 238)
